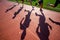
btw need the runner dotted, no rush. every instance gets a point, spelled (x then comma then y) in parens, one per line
(17, 2)
(31, 2)
(22, 3)
(41, 4)
(54, 5)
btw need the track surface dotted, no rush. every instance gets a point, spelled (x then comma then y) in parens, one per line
(34, 23)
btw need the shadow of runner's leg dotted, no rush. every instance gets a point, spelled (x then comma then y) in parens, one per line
(17, 12)
(10, 8)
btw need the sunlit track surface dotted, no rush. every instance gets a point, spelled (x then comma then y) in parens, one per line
(10, 29)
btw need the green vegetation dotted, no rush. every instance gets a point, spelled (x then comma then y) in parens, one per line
(45, 2)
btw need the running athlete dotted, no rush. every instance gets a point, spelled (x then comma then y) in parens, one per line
(56, 3)
(22, 3)
(40, 4)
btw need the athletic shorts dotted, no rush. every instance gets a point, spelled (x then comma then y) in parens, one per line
(40, 1)
(56, 3)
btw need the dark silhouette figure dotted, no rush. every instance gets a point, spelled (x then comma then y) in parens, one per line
(10, 8)
(58, 23)
(43, 34)
(25, 24)
(17, 12)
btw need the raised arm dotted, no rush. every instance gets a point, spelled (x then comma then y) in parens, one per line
(58, 23)
(37, 14)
